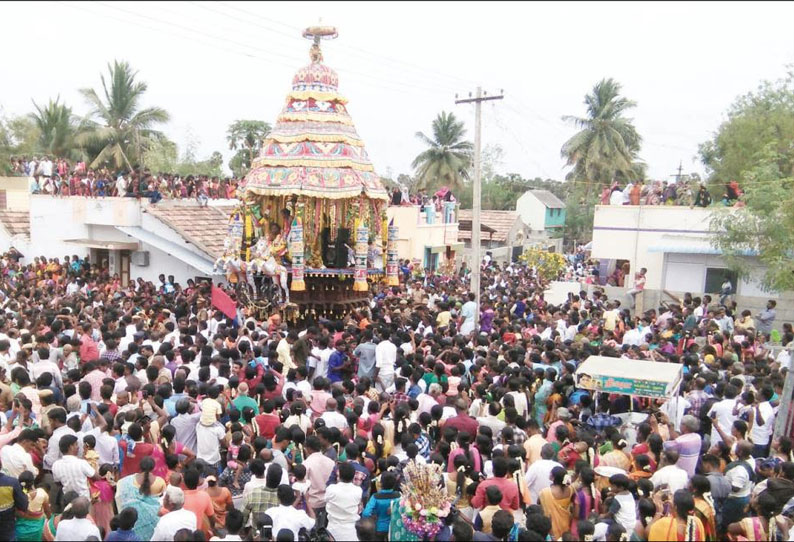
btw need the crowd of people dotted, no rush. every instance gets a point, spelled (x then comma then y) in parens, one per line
(59, 177)
(682, 193)
(142, 413)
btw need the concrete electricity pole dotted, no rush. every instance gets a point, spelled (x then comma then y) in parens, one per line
(475, 222)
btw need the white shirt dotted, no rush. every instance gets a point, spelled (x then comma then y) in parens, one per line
(675, 477)
(342, 502)
(16, 461)
(760, 434)
(173, 522)
(208, 442)
(539, 477)
(385, 357)
(632, 337)
(739, 477)
(53, 451)
(334, 419)
(106, 446)
(725, 417)
(76, 529)
(289, 517)
(73, 472)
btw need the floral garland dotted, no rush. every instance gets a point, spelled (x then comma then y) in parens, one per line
(424, 502)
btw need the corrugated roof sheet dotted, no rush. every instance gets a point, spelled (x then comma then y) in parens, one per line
(548, 199)
(205, 227)
(501, 222)
(16, 222)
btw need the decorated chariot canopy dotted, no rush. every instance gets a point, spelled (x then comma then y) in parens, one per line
(314, 149)
(312, 187)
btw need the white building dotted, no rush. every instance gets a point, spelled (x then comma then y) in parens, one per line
(433, 244)
(675, 245)
(133, 237)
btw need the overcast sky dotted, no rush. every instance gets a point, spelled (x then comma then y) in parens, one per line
(400, 64)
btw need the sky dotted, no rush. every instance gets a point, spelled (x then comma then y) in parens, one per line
(400, 64)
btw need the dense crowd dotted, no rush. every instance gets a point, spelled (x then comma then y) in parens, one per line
(682, 193)
(141, 413)
(61, 178)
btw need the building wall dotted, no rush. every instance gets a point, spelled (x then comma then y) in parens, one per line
(626, 232)
(54, 220)
(413, 236)
(555, 218)
(532, 211)
(17, 192)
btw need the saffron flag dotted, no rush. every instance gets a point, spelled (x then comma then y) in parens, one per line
(223, 302)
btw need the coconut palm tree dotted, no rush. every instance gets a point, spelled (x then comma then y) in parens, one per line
(448, 158)
(57, 128)
(123, 129)
(245, 137)
(607, 143)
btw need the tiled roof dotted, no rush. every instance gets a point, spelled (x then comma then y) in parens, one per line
(205, 227)
(16, 222)
(500, 221)
(548, 199)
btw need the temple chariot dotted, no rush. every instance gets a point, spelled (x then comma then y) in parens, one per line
(311, 232)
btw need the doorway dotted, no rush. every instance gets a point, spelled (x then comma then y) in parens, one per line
(124, 267)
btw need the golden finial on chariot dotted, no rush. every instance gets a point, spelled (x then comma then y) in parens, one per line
(317, 33)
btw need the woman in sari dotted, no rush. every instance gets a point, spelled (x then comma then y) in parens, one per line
(756, 528)
(682, 526)
(51, 525)
(168, 446)
(617, 457)
(30, 523)
(586, 500)
(141, 491)
(556, 502)
(704, 505)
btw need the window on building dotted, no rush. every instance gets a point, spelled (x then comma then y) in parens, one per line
(3, 200)
(715, 276)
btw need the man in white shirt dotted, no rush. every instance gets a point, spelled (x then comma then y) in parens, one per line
(539, 472)
(208, 439)
(286, 516)
(385, 359)
(16, 458)
(71, 471)
(722, 412)
(57, 417)
(670, 475)
(79, 527)
(763, 423)
(176, 519)
(331, 417)
(343, 504)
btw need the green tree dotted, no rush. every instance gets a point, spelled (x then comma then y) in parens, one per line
(57, 129)
(754, 121)
(123, 129)
(607, 143)
(245, 137)
(448, 158)
(754, 146)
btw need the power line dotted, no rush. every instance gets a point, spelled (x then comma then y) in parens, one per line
(376, 83)
(369, 58)
(378, 57)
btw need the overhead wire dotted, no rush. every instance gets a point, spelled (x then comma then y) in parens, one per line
(407, 87)
(376, 56)
(378, 65)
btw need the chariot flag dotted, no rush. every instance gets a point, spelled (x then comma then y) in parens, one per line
(224, 303)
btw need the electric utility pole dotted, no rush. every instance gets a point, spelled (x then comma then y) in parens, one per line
(475, 222)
